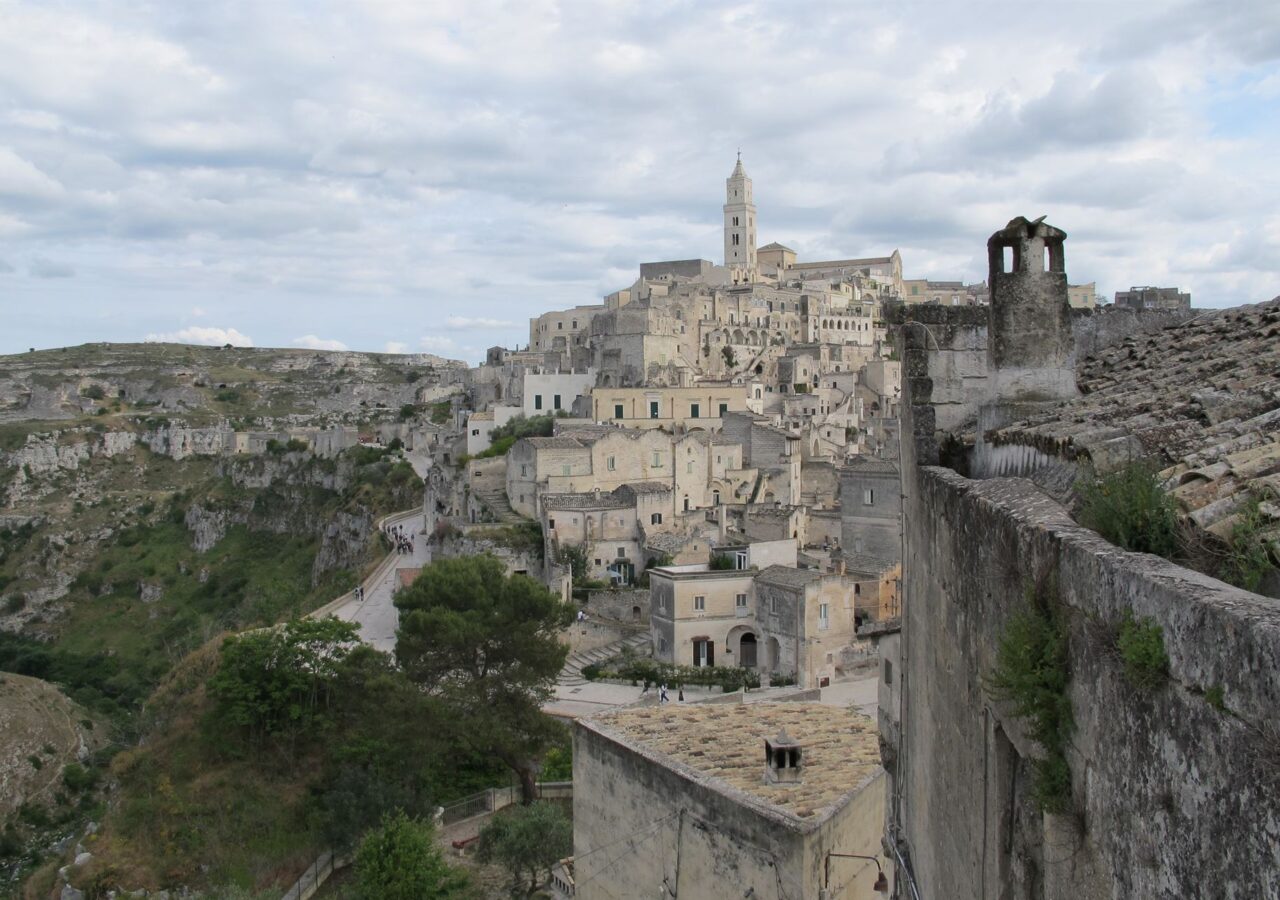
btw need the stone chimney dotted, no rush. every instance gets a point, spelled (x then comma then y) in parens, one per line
(783, 760)
(1031, 353)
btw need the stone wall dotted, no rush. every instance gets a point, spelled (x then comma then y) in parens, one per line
(639, 824)
(620, 606)
(1096, 329)
(1172, 796)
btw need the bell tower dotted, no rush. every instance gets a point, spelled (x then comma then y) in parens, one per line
(740, 223)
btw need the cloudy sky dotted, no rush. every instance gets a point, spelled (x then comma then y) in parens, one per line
(428, 174)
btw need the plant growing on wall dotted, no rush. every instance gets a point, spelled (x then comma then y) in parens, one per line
(1032, 672)
(1248, 559)
(1140, 643)
(1130, 509)
(729, 359)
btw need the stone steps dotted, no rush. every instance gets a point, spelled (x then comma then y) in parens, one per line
(571, 674)
(498, 504)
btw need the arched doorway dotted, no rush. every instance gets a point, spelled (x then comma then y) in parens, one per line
(747, 651)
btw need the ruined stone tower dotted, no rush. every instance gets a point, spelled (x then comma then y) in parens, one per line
(1031, 355)
(739, 222)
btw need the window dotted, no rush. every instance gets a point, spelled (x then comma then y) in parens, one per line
(575, 323)
(617, 411)
(773, 604)
(824, 616)
(662, 645)
(857, 590)
(653, 409)
(735, 221)
(555, 402)
(694, 410)
(657, 460)
(724, 407)
(699, 604)
(655, 519)
(560, 326)
(611, 464)
(551, 523)
(740, 605)
(662, 598)
(565, 470)
(524, 471)
(475, 430)
(869, 497)
(622, 553)
(688, 467)
(888, 672)
(537, 401)
(735, 240)
(719, 460)
(598, 563)
(715, 498)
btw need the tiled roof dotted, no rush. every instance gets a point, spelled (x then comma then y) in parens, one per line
(1201, 397)
(788, 576)
(554, 443)
(871, 465)
(722, 745)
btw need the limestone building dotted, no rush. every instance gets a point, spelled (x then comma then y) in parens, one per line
(708, 800)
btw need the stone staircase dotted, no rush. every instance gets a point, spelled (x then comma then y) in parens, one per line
(571, 674)
(495, 500)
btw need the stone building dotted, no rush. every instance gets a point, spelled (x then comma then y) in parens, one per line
(1161, 787)
(708, 800)
(702, 406)
(1153, 298)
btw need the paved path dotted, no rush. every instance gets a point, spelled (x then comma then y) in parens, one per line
(376, 614)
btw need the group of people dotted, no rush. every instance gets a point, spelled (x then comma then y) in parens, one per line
(401, 540)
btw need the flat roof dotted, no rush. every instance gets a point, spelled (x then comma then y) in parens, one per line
(722, 746)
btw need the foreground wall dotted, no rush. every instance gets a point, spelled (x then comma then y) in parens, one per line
(1173, 795)
(639, 824)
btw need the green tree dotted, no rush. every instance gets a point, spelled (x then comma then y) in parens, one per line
(527, 841)
(278, 682)
(399, 860)
(487, 645)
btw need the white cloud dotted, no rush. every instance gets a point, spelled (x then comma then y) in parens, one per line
(464, 323)
(396, 347)
(312, 342)
(198, 312)
(436, 344)
(214, 337)
(454, 172)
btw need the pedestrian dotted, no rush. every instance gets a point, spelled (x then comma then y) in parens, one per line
(582, 616)
(681, 695)
(662, 695)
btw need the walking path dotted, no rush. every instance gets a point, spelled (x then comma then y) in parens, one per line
(376, 614)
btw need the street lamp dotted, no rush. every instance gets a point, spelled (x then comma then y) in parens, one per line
(880, 887)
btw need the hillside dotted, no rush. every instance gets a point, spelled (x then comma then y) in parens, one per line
(153, 496)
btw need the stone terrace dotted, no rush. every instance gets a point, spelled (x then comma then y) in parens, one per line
(725, 743)
(1202, 397)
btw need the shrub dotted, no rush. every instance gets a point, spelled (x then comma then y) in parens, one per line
(1248, 559)
(93, 392)
(1130, 509)
(440, 412)
(399, 860)
(722, 562)
(527, 841)
(729, 359)
(78, 779)
(408, 411)
(591, 671)
(1141, 646)
(1032, 673)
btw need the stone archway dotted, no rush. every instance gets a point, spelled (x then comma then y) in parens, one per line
(747, 651)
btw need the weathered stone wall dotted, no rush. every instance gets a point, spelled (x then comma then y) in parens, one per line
(1096, 329)
(638, 824)
(1172, 796)
(627, 607)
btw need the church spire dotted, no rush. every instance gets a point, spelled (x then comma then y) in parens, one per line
(740, 223)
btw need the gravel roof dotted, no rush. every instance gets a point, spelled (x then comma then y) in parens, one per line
(722, 745)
